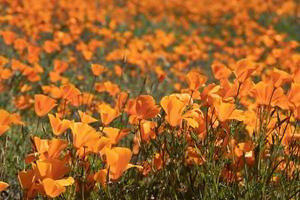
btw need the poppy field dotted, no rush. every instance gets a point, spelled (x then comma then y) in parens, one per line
(149, 99)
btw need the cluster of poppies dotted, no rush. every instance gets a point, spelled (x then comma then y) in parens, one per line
(108, 92)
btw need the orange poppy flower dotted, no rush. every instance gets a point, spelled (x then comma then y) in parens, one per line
(263, 93)
(107, 86)
(143, 107)
(54, 77)
(51, 168)
(87, 54)
(4, 61)
(54, 188)
(70, 92)
(174, 109)
(244, 69)
(32, 180)
(280, 77)
(8, 37)
(220, 71)
(72, 95)
(46, 149)
(5, 74)
(27, 181)
(118, 70)
(85, 118)
(20, 44)
(115, 134)
(43, 104)
(33, 54)
(86, 139)
(195, 80)
(3, 186)
(118, 159)
(22, 102)
(294, 95)
(53, 91)
(226, 111)
(6, 119)
(161, 75)
(58, 126)
(98, 69)
(83, 134)
(296, 76)
(147, 130)
(60, 66)
(193, 116)
(267, 94)
(3, 129)
(101, 177)
(210, 93)
(121, 101)
(107, 113)
(50, 46)
(16, 65)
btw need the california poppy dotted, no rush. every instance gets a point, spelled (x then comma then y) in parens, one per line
(280, 77)
(98, 69)
(8, 37)
(3, 186)
(3, 129)
(107, 86)
(143, 107)
(43, 104)
(6, 119)
(267, 94)
(60, 66)
(20, 44)
(244, 69)
(294, 95)
(53, 91)
(173, 108)
(118, 159)
(86, 118)
(86, 139)
(115, 134)
(54, 188)
(121, 100)
(101, 177)
(58, 126)
(107, 113)
(71, 94)
(147, 130)
(195, 80)
(50, 46)
(46, 149)
(32, 180)
(226, 111)
(220, 71)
